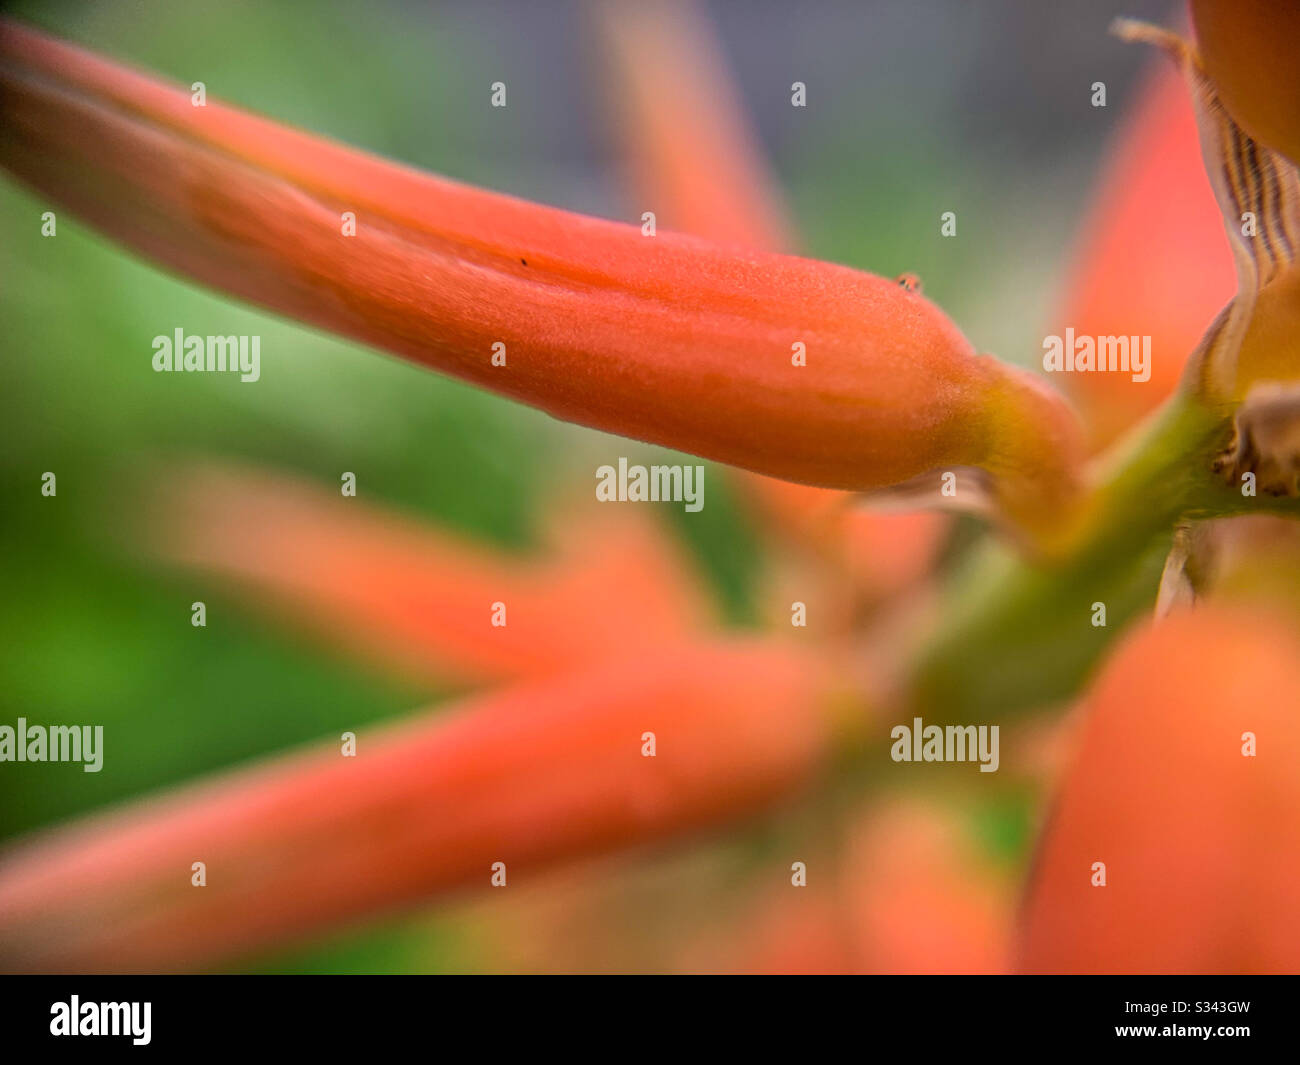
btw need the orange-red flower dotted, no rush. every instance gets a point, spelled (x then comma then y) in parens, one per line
(421, 601)
(663, 338)
(524, 777)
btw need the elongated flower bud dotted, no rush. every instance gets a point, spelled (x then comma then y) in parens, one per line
(634, 751)
(659, 337)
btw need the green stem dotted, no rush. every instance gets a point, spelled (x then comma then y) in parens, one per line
(1018, 634)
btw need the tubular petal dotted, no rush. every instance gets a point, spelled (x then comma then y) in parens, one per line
(525, 778)
(422, 601)
(662, 338)
(692, 155)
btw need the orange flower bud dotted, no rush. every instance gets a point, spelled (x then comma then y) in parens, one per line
(555, 770)
(659, 337)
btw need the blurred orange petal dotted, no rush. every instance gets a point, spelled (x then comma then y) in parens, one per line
(923, 900)
(691, 153)
(422, 601)
(800, 932)
(883, 552)
(1200, 843)
(1153, 258)
(527, 777)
